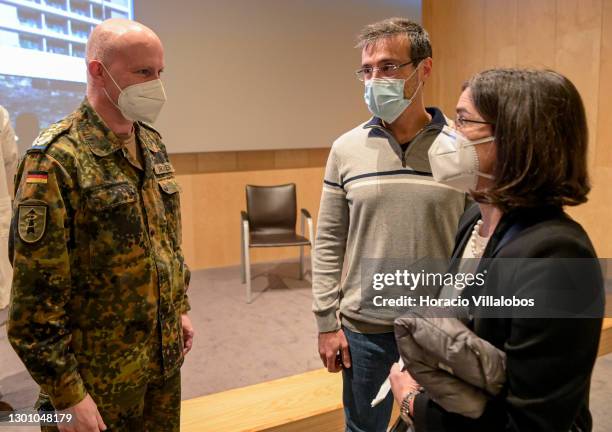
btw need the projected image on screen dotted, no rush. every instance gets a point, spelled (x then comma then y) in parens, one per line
(42, 47)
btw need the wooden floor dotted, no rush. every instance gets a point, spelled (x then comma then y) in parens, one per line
(300, 403)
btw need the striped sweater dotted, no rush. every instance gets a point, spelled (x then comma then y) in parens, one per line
(378, 202)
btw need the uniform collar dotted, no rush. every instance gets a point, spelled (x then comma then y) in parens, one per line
(147, 135)
(101, 140)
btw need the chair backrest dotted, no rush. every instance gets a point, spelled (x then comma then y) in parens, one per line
(271, 209)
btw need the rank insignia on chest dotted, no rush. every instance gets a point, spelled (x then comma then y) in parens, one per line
(37, 177)
(163, 168)
(32, 220)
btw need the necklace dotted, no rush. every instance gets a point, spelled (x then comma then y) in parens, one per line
(477, 243)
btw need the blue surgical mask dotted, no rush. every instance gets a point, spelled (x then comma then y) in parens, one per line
(385, 97)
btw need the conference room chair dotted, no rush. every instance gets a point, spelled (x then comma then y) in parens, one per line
(270, 221)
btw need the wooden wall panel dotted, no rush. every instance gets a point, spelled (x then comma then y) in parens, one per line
(536, 33)
(457, 46)
(211, 205)
(596, 214)
(578, 49)
(430, 22)
(213, 196)
(573, 37)
(603, 149)
(500, 39)
(217, 162)
(578, 56)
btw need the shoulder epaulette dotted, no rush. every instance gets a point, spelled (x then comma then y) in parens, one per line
(149, 127)
(49, 135)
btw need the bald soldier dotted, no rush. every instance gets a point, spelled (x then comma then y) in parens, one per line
(99, 304)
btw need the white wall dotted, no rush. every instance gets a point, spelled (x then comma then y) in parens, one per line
(262, 74)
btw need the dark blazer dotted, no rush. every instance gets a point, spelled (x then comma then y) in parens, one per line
(549, 361)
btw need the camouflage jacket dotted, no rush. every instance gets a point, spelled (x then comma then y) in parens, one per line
(98, 270)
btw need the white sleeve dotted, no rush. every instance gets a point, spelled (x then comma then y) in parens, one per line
(8, 150)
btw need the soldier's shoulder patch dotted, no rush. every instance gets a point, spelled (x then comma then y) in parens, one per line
(49, 135)
(32, 220)
(37, 177)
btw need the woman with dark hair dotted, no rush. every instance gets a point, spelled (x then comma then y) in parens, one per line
(520, 148)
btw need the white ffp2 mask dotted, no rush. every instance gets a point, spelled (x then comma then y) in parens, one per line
(454, 160)
(140, 102)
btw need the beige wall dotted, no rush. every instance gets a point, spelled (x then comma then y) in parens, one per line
(573, 37)
(213, 196)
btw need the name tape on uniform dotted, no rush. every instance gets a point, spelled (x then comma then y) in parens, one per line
(163, 168)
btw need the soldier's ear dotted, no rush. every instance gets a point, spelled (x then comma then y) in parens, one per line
(95, 71)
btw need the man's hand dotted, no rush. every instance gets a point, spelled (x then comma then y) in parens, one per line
(329, 345)
(402, 383)
(187, 333)
(85, 417)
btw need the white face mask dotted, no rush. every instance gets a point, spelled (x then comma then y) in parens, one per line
(139, 102)
(454, 160)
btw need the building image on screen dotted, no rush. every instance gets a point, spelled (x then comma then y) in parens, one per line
(42, 47)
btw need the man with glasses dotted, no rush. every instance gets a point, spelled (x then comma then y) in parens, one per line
(379, 202)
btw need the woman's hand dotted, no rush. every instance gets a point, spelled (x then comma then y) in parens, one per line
(402, 383)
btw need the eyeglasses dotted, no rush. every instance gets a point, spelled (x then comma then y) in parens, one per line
(462, 121)
(388, 70)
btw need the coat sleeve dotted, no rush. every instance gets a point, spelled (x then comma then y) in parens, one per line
(38, 325)
(9, 149)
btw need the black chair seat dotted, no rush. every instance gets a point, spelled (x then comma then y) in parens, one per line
(269, 222)
(277, 240)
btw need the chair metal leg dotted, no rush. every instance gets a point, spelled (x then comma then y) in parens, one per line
(301, 263)
(242, 255)
(248, 276)
(312, 245)
(311, 264)
(247, 260)
(302, 223)
(246, 257)
(306, 219)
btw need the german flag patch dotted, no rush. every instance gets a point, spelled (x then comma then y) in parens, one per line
(37, 177)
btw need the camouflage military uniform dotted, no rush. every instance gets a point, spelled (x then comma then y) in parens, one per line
(99, 283)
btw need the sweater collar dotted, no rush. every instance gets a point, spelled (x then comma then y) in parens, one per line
(437, 119)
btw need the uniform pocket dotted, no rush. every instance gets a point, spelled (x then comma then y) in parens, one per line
(114, 225)
(109, 196)
(170, 192)
(169, 185)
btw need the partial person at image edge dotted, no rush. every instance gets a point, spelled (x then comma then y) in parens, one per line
(8, 166)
